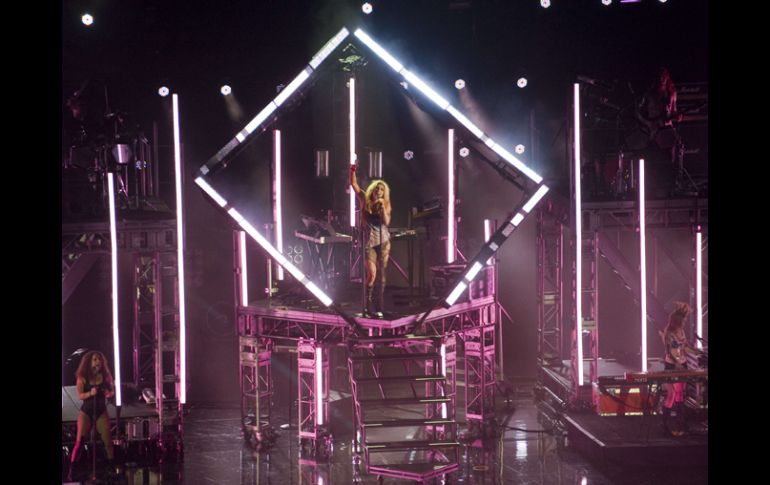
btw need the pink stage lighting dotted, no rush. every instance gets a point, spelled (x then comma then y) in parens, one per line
(699, 286)
(643, 264)
(408, 155)
(244, 269)
(319, 386)
(178, 171)
(578, 235)
(450, 238)
(352, 118)
(114, 274)
(277, 197)
(87, 19)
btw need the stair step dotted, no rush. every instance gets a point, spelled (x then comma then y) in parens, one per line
(406, 400)
(409, 445)
(391, 357)
(413, 471)
(401, 379)
(394, 423)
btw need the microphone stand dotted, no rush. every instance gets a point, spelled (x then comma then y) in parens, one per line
(93, 438)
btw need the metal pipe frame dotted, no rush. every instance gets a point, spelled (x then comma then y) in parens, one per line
(550, 288)
(480, 381)
(311, 424)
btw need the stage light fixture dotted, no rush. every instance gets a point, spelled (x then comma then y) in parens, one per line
(319, 385)
(459, 84)
(451, 249)
(225, 90)
(699, 285)
(180, 239)
(522, 82)
(578, 232)
(662, 1)
(352, 145)
(277, 196)
(545, 3)
(366, 8)
(464, 152)
(606, 2)
(244, 268)
(520, 148)
(87, 19)
(643, 263)
(408, 155)
(163, 91)
(114, 277)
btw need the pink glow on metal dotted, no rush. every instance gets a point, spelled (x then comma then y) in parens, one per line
(277, 193)
(450, 239)
(643, 264)
(180, 254)
(244, 269)
(699, 286)
(578, 235)
(352, 118)
(319, 386)
(114, 274)
(458, 290)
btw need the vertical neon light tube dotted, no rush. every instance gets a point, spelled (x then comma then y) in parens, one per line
(352, 117)
(699, 286)
(578, 237)
(450, 232)
(278, 195)
(244, 272)
(319, 385)
(643, 264)
(180, 256)
(443, 373)
(488, 234)
(114, 265)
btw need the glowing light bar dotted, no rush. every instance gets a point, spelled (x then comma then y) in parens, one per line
(452, 298)
(487, 234)
(244, 272)
(87, 19)
(699, 286)
(450, 238)
(473, 272)
(508, 156)
(516, 220)
(327, 49)
(212, 193)
(352, 118)
(535, 199)
(426, 90)
(643, 264)
(319, 386)
(443, 373)
(578, 235)
(114, 274)
(163, 91)
(225, 90)
(293, 86)
(275, 254)
(278, 197)
(180, 255)
(389, 60)
(465, 121)
(258, 120)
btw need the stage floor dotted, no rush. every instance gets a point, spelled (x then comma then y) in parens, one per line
(215, 453)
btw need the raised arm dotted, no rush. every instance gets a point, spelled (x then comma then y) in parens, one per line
(354, 181)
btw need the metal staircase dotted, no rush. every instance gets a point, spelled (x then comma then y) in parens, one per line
(414, 448)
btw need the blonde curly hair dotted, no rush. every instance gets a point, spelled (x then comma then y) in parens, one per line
(370, 190)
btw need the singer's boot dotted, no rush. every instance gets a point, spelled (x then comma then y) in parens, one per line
(368, 309)
(381, 298)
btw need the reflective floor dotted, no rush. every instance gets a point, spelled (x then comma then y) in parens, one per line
(216, 453)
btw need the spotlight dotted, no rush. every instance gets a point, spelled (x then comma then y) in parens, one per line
(662, 1)
(459, 84)
(87, 19)
(225, 90)
(520, 149)
(545, 3)
(163, 91)
(522, 82)
(464, 152)
(606, 2)
(404, 84)
(366, 8)
(408, 155)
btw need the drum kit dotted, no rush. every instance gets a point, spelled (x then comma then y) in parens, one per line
(96, 145)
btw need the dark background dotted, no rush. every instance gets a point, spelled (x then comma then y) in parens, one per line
(135, 47)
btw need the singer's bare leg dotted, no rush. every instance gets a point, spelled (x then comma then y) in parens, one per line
(84, 427)
(103, 428)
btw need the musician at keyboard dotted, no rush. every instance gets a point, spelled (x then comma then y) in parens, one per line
(676, 346)
(376, 211)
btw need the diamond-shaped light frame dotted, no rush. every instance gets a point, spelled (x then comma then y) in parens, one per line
(474, 265)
